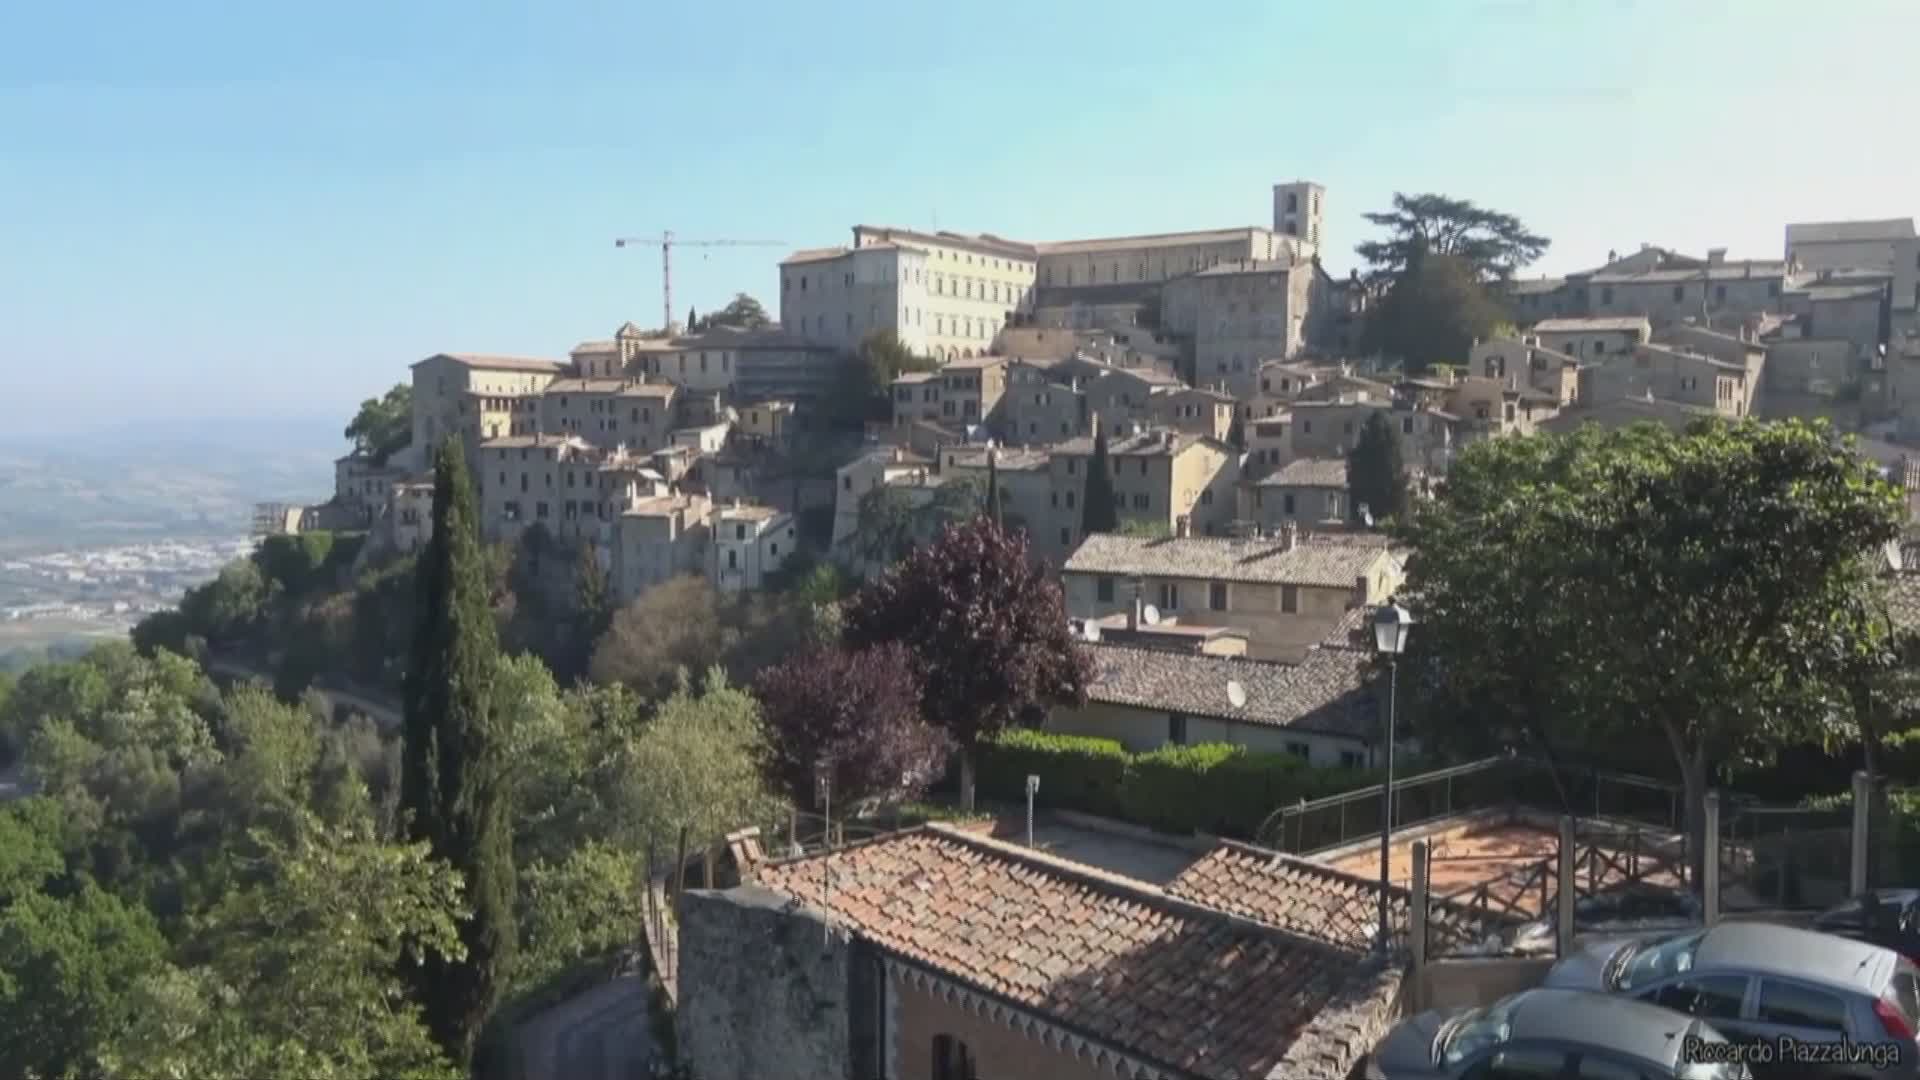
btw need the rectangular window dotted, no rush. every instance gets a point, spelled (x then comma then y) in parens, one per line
(1066, 537)
(1290, 599)
(1103, 589)
(1352, 759)
(1177, 729)
(1169, 596)
(1300, 750)
(1217, 596)
(1286, 505)
(1792, 1005)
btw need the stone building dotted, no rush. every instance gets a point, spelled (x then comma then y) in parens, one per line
(942, 294)
(1287, 591)
(1592, 339)
(1844, 245)
(609, 413)
(749, 543)
(477, 397)
(1310, 492)
(1240, 315)
(1670, 373)
(940, 952)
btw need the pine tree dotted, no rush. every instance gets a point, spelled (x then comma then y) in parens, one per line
(592, 606)
(1376, 470)
(693, 321)
(1097, 513)
(453, 783)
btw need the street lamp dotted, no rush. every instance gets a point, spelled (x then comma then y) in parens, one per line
(1390, 625)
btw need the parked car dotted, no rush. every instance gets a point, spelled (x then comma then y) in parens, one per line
(1758, 982)
(1889, 918)
(1548, 1034)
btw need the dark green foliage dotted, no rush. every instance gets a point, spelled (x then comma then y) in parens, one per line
(865, 391)
(1491, 244)
(454, 784)
(384, 425)
(305, 562)
(1217, 788)
(66, 969)
(1432, 313)
(1098, 513)
(743, 312)
(1077, 772)
(1691, 593)
(1377, 471)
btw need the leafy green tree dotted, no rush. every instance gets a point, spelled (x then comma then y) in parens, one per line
(384, 425)
(67, 968)
(593, 607)
(696, 765)
(231, 607)
(987, 628)
(865, 392)
(31, 832)
(1377, 471)
(743, 312)
(1099, 512)
(1145, 528)
(1432, 313)
(455, 783)
(582, 907)
(1645, 588)
(300, 977)
(1492, 245)
(671, 631)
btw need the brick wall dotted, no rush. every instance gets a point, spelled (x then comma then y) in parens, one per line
(764, 990)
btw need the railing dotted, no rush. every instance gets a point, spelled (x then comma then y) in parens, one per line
(1784, 858)
(1509, 780)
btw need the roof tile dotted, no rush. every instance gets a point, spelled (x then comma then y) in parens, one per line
(1333, 560)
(1178, 983)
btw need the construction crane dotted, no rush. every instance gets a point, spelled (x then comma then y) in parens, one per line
(667, 241)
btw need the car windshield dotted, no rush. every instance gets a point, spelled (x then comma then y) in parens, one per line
(1476, 1031)
(1656, 960)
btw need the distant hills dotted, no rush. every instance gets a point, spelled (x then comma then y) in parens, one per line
(181, 479)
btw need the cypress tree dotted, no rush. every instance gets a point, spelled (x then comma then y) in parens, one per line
(1377, 471)
(1097, 513)
(453, 781)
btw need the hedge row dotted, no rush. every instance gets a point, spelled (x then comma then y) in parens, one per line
(1219, 788)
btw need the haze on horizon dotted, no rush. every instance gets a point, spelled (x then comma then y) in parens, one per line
(218, 211)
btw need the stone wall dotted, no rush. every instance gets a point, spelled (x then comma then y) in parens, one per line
(764, 989)
(1347, 1029)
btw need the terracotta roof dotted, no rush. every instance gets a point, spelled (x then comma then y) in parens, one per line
(614, 387)
(1604, 324)
(1320, 693)
(1189, 988)
(1310, 472)
(1317, 901)
(527, 442)
(1833, 293)
(813, 255)
(1327, 561)
(498, 363)
(1154, 442)
(1845, 232)
(594, 347)
(1126, 243)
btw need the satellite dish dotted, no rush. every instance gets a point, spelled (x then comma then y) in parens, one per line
(1090, 630)
(1150, 615)
(1236, 694)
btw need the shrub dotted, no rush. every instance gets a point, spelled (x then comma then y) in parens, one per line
(1078, 772)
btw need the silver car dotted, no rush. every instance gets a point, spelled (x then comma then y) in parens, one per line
(1826, 1006)
(1555, 1035)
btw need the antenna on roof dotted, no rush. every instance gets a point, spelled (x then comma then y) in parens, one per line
(1236, 694)
(1150, 615)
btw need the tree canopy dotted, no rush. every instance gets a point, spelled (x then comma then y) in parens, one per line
(1377, 471)
(881, 358)
(384, 425)
(855, 715)
(743, 312)
(1432, 313)
(987, 628)
(1492, 245)
(1645, 589)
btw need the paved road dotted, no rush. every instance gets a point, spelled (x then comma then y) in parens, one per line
(602, 1034)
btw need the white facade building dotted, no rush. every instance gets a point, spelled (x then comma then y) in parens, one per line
(749, 543)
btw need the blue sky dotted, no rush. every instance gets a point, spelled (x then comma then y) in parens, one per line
(271, 209)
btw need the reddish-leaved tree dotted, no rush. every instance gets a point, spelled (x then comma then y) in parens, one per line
(855, 714)
(987, 626)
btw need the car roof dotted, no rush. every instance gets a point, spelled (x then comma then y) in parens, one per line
(1618, 1023)
(1767, 949)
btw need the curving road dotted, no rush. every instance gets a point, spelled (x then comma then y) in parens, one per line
(602, 1034)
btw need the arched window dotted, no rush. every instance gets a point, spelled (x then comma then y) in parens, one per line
(952, 1060)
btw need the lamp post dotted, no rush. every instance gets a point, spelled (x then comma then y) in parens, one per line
(1390, 625)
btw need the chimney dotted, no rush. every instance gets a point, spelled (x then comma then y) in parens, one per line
(1289, 536)
(1182, 527)
(1716, 256)
(1135, 613)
